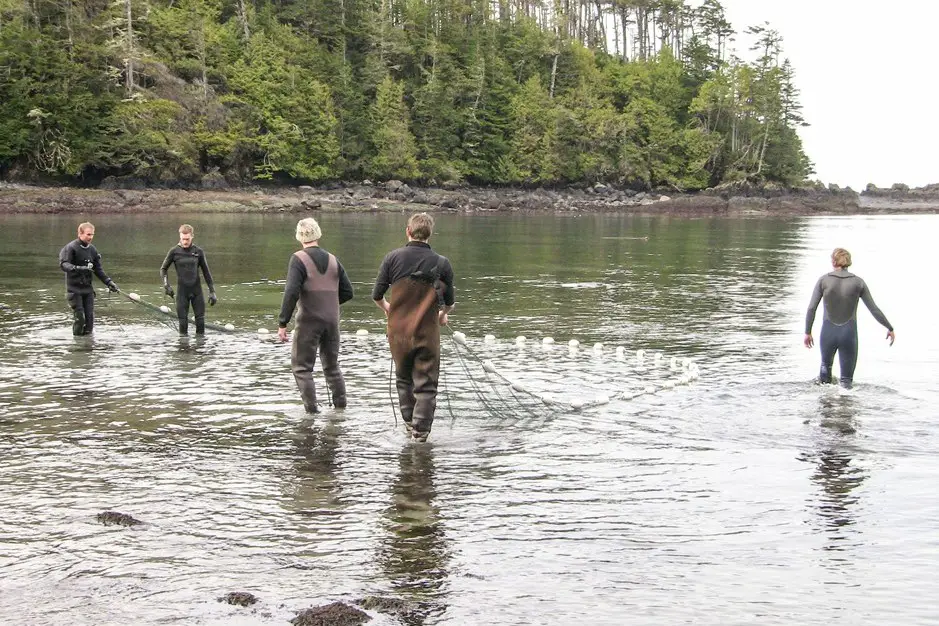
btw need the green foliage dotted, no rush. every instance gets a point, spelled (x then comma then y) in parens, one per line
(394, 153)
(533, 155)
(410, 89)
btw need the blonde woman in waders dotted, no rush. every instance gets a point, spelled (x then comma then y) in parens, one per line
(317, 280)
(421, 283)
(840, 290)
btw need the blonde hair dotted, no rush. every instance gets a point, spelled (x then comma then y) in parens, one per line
(421, 226)
(841, 258)
(308, 230)
(185, 229)
(85, 226)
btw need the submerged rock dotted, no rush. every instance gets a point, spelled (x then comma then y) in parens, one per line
(113, 518)
(334, 614)
(393, 606)
(239, 598)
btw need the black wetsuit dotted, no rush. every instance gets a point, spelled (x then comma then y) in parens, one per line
(189, 261)
(81, 293)
(841, 290)
(420, 279)
(318, 282)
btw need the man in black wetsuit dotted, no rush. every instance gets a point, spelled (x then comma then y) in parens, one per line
(189, 259)
(79, 260)
(421, 283)
(317, 281)
(841, 290)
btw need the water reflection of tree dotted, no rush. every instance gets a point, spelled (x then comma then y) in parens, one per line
(835, 474)
(416, 552)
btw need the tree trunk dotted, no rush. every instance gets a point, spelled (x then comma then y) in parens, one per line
(554, 72)
(129, 49)
(243, 18)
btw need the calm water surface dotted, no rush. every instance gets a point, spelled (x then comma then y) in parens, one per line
(749, 496)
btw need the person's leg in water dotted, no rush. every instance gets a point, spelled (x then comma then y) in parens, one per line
(329, 355)
(88, 306)
(425, 375)
(198, 310)
(404, 368)
(78, 313)
(182, 309)
(847, 354)
(828, 344)
(306, 339)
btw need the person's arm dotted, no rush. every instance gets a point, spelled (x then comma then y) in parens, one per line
(65, 259)
(868, 300)
(382, 282)
(296, 275)
(99, 270)
(810, 314)
(345, 285)
(169, 260)
(449, 297)
(204, 266)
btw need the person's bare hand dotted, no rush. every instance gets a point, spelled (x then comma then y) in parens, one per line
(808, 341)
(891, 336)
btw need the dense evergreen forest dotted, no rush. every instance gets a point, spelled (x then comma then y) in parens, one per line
(642, 93)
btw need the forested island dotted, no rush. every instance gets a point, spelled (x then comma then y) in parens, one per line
(204, 94)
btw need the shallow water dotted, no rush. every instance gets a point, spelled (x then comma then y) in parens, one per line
(750, 495)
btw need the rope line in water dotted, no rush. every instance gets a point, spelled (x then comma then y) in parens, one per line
(166, 312)
(688, 367)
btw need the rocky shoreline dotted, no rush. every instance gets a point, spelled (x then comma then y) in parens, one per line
(396, 196)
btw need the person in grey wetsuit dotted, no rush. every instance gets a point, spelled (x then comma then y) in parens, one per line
(421, 283)
(189, 259)
(840, 290)
(317, 280)
(79, 260)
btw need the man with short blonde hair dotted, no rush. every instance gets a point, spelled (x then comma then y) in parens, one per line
(840, 290)
(317, 282)
(79, 260)
(188, 259)
(421, 283)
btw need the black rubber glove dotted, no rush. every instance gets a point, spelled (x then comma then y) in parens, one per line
(212, 298)
(169, 290)
(112, 286)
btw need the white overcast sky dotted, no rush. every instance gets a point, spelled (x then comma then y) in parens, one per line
(868, 76)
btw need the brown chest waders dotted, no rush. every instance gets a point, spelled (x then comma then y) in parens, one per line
(317, 331)
(414, 339)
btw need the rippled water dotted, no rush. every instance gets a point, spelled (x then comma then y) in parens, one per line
(748, 496)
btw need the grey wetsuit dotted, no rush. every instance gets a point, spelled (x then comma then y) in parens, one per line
(840, 290)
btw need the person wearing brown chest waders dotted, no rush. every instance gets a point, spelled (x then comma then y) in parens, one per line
(841, 290)
(317, 281)
(421, 283)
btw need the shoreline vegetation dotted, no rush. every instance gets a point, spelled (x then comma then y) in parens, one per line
(637, 94)
(396, 196)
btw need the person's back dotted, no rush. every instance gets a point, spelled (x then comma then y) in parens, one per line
(840, 290)
(317, 282)
(421, 298)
